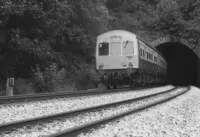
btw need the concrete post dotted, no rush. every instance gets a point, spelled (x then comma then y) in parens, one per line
(9, 86)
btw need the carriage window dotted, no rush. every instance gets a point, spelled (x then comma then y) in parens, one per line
(115, 48)
(155, 58)
(143, 54)
(140, 52)
(127, 47)
(151, 56)
(103, 49)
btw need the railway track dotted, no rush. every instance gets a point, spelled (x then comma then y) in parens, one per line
(117, 109)
(47, 96)
(26, 110)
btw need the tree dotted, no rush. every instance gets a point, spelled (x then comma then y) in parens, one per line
(43, 32)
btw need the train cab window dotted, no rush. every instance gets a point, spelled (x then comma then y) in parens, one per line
(115, 48)
(103, 49)
(128, 47)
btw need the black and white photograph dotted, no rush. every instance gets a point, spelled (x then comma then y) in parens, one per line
(99, 68)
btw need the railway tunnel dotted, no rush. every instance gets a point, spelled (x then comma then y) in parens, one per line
(183, 64)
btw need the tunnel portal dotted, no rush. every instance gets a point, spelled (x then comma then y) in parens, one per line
(183, 64)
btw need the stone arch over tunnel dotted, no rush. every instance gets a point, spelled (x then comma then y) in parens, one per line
(183, 61)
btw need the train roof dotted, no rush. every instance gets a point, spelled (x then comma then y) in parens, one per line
(122, 32)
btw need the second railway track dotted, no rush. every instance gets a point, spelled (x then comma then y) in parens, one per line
(47, 96)
(74, 122)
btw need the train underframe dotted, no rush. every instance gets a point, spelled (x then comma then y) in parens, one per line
(138, 78)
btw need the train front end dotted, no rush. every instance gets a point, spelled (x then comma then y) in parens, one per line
(116, 57)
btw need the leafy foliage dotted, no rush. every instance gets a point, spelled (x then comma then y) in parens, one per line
(64, 32)
(87, 76)
(43, 32)
(51, 80)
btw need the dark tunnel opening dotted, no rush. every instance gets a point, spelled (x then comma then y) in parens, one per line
(183, 64)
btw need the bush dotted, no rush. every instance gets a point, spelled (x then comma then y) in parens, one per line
(23, 86)
(2, 90)
(51, 80)
(54, 80)
(87, 78)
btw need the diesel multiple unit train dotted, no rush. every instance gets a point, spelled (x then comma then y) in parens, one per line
(122, 58)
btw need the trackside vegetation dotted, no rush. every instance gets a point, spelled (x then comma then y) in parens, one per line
(49, 45)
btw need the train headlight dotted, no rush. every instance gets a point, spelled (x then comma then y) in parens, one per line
(124, 64)
(130, 65)
(101, 66)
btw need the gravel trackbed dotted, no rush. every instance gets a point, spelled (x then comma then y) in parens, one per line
(177, 118)
(26, 110)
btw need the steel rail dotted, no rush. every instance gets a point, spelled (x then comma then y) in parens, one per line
(45, 96)
(75, 131)
(20, 123)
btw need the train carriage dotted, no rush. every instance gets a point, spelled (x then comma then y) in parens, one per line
(124, 58)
